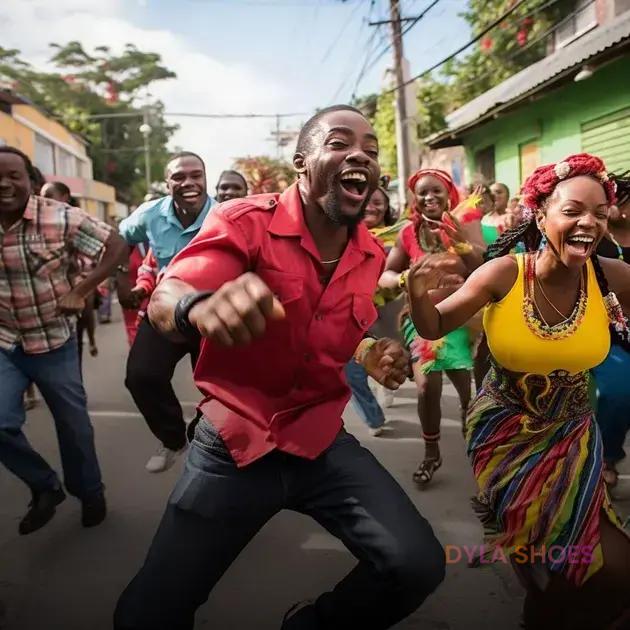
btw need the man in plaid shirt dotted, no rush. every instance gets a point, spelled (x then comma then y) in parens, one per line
(40, 242)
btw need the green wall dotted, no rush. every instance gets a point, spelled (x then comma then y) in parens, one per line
(554, 119)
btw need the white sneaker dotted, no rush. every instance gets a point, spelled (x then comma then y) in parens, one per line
(377, 431)
(387, 397)
(163, 459)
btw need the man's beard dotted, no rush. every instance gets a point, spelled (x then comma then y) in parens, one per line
(332, 208)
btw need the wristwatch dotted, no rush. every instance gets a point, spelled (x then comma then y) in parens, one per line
(122, 268)
(182, 311)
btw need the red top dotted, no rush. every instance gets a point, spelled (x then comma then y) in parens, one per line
(409, 241)
(285, 390)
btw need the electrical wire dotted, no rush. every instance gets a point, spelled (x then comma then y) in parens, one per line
(473, 41)
(384, 51)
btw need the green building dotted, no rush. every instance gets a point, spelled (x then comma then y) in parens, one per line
(576, 99)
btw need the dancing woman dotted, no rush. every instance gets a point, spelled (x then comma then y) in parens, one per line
(432, 232)
(535, 449)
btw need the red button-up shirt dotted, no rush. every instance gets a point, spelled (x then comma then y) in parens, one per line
(286, 390)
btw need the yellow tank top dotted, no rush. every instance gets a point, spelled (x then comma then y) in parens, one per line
(517, 348)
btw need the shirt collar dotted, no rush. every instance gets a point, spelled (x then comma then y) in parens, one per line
(288, 220)
(30, 213)
(167, 210)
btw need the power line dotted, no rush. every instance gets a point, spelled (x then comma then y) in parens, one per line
(531, 44)
(367, 46)
(385, 50)
(341, 32)
(139, 114)
(461, 49)
(474, 40)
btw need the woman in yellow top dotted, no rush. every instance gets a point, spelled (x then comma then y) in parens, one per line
(535, 449)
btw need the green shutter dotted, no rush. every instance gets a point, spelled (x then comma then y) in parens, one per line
(609, 138)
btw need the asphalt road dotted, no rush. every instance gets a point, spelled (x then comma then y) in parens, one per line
(67, 578)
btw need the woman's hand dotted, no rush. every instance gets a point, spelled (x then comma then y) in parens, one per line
(435, 271)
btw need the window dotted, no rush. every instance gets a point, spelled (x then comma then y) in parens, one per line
(44, 155)
(607, 137)
(581, 20)
(529, 158)
(101, 210)
(66, 163)
(484, 163)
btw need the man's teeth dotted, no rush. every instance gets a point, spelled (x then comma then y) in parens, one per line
(354, 176)
(581, 239)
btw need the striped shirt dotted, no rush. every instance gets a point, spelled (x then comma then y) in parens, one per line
(39, 257)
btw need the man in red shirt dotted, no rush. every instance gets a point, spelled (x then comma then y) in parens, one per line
(293, 277)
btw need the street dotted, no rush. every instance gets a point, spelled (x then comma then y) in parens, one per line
(68, 578)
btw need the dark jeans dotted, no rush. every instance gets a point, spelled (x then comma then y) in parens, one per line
(150, 367)
(216, 509)
(57, 377)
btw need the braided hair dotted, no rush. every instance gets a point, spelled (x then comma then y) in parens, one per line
(623, 187)
(535, 195)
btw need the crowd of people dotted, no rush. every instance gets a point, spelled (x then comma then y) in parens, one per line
(287, 305)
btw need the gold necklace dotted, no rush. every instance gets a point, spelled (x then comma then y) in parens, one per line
(553, 306)
(534, 318)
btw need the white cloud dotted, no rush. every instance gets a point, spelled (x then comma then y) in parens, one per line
(203, 84)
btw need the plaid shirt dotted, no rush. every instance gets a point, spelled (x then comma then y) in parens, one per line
(39, 258)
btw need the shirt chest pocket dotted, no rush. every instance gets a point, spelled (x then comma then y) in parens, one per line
(45, 258)
(164, 253)
(287, 287)
(351, 330)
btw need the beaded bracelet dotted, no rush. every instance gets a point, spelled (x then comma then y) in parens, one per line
(362, 350)
(462, 249)
(402, 280)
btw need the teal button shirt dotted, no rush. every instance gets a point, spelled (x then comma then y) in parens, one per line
(155, 222)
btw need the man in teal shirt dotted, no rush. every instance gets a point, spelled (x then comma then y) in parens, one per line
(167, 225)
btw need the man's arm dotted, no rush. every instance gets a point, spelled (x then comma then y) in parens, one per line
(115, 253)
(134, 227)
(218, 255)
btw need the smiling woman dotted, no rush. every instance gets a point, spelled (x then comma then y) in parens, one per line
(533, 444)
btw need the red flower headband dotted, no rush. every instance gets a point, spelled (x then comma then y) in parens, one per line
(542, 182)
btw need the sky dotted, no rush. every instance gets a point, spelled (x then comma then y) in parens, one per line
(241, 56)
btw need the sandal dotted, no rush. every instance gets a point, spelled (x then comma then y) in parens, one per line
(426, 470)
(611, 475)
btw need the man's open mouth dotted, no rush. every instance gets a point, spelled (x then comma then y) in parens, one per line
(354, 183)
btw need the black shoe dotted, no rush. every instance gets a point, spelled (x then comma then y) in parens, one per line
(301, 615)
(93, 510)
(41, 510)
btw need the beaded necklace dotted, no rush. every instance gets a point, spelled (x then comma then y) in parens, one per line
(533, 317)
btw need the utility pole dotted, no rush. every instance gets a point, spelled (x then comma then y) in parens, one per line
(400, 105)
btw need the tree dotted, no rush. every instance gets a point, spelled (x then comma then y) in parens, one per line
(517, 42)
(265, 174)
(385, 126)
(88, 85)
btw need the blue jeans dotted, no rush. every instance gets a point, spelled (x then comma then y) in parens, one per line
(363, 400)
(613, 402)
(58, 378)
(217, 508)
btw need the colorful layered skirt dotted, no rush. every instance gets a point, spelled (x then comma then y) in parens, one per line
(536, 453)
(452, 352)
